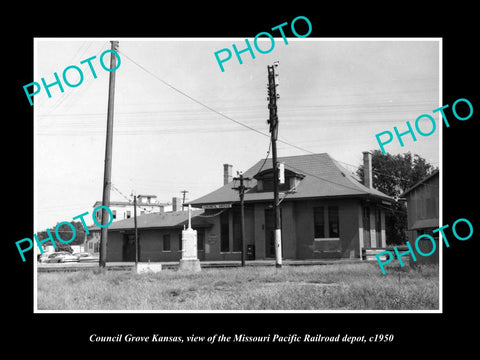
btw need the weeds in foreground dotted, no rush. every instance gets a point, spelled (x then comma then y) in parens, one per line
(321, 287)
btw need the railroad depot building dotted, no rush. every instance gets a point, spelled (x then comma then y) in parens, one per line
(325, 213)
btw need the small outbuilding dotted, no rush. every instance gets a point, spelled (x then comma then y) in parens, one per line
(423, 214)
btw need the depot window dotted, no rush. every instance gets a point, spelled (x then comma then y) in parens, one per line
(166, 242)
(200, 240)
(326, 222)
(224, 232)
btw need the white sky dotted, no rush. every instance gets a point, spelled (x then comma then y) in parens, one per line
(335, 95)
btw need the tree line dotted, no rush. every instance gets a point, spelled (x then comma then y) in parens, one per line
(393, 175)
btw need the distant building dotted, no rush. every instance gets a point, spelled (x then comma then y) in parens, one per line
(423, 213)
(325, 213)
(92, 242)
(146, 204)
(75, 248)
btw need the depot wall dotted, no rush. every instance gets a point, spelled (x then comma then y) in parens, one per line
(298, 234)
(151, 246)
(349, 226)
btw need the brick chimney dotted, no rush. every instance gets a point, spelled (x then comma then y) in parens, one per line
(367, 169)
(227, 173)
(176, 204)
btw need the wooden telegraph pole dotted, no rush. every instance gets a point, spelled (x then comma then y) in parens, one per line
(241, 191)
(183, 201)
(136, 230)
(273, 121)
(107, 176)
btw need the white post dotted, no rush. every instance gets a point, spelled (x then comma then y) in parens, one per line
(189, 260)
(278, 246)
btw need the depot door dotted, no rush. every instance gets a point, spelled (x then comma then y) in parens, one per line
(201, 244)
(366, 227)
(129, 247)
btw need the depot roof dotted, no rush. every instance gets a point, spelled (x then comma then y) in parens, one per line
(424, 180)
(319, 176)
(168, 220)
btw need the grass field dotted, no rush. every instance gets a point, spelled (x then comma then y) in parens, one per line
(321, 287)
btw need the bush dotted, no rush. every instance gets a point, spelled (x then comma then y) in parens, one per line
(64, 247)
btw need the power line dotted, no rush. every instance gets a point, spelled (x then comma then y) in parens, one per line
(266, 158)
(297, 108)
(131, 202)
(288, 192)
(209, 107)
(191, 98)
(121, 194)
(227, 117)
(67, 96)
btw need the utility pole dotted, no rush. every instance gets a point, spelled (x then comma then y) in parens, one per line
(136, 230)
(183, 201)
(273, 122)
(241, 191)
(107, 175)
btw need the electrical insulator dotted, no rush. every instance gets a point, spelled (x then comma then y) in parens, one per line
(275, 66)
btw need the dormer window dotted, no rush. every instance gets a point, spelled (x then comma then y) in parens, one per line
(265, 180)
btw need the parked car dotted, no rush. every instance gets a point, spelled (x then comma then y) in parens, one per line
(86, 257)
(42, 258)
(61, 257)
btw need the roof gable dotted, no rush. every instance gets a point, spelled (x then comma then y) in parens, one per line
(424, 180)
